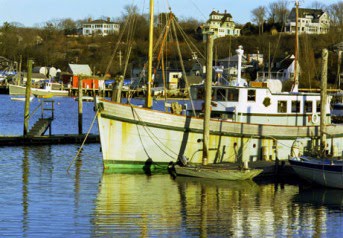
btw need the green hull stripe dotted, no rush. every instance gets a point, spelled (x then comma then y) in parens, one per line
(133, 167)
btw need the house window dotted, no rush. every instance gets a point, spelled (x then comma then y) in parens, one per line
(296, 106)
(308, 106)
(282, 106)
(251, 95)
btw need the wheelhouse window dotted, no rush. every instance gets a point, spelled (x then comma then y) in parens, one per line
(296, 106)
(197, 93)
(233, 95)
(221, 94)
(282, 106)
(308, 106)
(318, 106)
(251, 95)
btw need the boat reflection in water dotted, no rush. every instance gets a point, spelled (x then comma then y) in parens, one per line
(326, 197)
(140, 205)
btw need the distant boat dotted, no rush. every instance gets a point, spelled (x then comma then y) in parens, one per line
(325, 172)
(86, 99)
(20, 90)
(23, 99)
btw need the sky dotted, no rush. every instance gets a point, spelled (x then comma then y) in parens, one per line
(37, 12)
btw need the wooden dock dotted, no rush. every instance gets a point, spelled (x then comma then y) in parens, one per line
(48, 140)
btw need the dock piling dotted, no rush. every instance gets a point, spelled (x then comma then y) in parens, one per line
(27, 97)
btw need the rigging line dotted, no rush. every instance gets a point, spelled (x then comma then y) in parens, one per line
(153, 136)
(139, 134)
(277, 45)
(187, 39)
(182, 65)
(115, 48)
(84, 140)
(196, 6)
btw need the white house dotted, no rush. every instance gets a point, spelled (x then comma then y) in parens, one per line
(282, 70)
(310, 21)
(221, 24)
(100, 27)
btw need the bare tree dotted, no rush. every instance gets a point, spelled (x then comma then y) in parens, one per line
(259, 15)
(278, 11)
(318, 5)
(336, 13)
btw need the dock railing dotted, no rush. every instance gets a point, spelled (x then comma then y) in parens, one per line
(43, 108)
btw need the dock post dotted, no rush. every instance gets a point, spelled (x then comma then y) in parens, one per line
(80, 105)
(27, 97)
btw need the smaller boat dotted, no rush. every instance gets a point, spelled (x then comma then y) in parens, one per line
(323, 171)
(22, 99)
(85, 99)
(45, 96)
(217, 171)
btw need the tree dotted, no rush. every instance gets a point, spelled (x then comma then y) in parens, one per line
(318, 5)
(259, 14)
(68, 26)
(336, 13)
(278, 11)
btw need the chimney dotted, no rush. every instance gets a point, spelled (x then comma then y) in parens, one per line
(108, 19)
(89, 19)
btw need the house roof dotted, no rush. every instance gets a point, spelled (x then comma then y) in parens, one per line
(233, 58)
(338, 46)
(284, 63)
(225, 14)
(80, 69)
(303, 12)
(100, 21)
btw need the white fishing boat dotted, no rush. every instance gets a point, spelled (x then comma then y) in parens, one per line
(324, 171)
(47, 90)
(248, 123)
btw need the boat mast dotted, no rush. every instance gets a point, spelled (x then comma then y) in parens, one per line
(296, 50)
(208, 95)
(148, 100)
(323, 100)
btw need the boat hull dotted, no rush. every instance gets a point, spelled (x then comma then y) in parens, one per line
(212, 172)
(134, 137)
(20, 90)
(325, 173)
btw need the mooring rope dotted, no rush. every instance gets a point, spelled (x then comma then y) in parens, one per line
(84, 140)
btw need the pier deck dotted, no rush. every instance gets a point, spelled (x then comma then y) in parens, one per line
(48, 140)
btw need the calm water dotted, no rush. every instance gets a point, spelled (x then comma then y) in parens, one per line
(38, 198)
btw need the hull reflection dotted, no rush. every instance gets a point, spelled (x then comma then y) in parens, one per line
(138, 205)
(331, 198)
